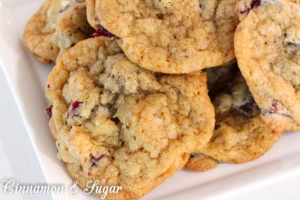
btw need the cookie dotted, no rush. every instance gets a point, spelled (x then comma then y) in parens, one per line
(55, 28)
(169, 36)
(121, 124)
(240, 134)
(267, 49)
(243, 7)
(200, 163)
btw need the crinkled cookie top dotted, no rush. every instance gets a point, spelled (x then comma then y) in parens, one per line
(267, 45)
(55, 28)
(169, 36)
(124, 125)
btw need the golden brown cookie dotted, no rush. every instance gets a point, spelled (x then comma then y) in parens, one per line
(267, 45)
(201, 163)
(121, 124)
(240, 134)
(169, 36)
(55, 28)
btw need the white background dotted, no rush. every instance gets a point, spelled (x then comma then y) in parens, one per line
(18, 159)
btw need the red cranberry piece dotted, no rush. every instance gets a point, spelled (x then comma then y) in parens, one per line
(275, 109)
(254, 4)
(101, 31)
(244, 11)
(97, 19)
(275, 106)
(269, 112)
(247, 108)
(49, 111)
(75, 104)
(95, 160)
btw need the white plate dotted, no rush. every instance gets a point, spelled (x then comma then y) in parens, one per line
(27, 78)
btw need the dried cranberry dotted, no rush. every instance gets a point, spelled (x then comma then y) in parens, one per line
(254, 4)
(275, 109)
(97, 19)
(275, 106)
(269, 112)
(101, 31)
(49, 111)
(106, 180)
(75, 104)
(94, 160)
(247, 108)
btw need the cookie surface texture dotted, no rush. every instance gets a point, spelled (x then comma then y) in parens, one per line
(124, 125)
(267, 45)
(55, 28)
(169, 36)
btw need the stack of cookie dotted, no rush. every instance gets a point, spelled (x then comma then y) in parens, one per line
(137, 95)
